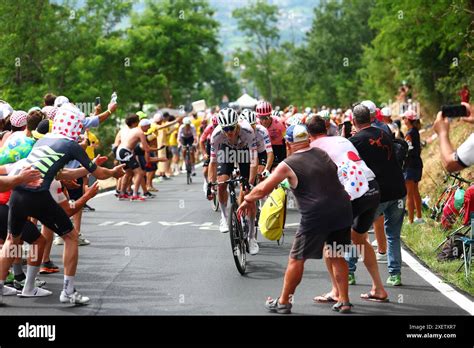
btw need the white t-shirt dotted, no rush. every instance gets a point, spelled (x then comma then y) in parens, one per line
(466, 151)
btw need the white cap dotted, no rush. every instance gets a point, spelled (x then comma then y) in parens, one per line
(386, 111)
(158, 117)
(307, 110)
(186, 120)
(369, 104)
(5, 110)
(339, 110)
(333, 112)
(59, 101)
(144, 122)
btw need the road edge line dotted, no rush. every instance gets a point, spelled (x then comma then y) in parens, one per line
(439, 284)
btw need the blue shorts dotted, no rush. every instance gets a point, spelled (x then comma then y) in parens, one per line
(413, 174)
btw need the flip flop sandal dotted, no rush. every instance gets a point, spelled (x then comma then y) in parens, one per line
(338, 307)
(326, 298)
(373, 298)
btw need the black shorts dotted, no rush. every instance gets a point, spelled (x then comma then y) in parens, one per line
(208, 151)
(76, 194)
(187, 141)
(3, 221)
(228, 168)
(142, 162)
(413, 174)
(311, 245)
(279, 151)
(169, 154)
(364, 208)
(131, 163)
(39, 205)
(262, 158)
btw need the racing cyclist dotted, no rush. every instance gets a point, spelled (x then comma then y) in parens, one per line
(232, 142)
(187, 135)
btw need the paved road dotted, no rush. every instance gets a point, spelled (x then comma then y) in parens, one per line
(166, 256)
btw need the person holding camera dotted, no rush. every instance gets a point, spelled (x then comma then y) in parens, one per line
(463, 157)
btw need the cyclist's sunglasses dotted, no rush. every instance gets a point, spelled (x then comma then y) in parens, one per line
(228, 129)
(264, 118)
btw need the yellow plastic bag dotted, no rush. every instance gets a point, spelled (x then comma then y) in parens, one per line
(272, 215)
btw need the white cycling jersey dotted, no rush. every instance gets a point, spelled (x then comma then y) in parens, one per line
(246, 139)
(263, 139)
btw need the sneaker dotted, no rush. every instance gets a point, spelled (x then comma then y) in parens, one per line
(137, 199)
(253, 246)
(87, 208)
(165, 177)
(149, 195)
(381, 258)
(58, 241)
(10, 278)
(223, 227)
(276, 307)
(193, 174)
(81, 240)
(418, 221)
(375, 244)
(37, 292)
(74, 298)
(48, 267)
(9, 291)
(395, 280)
(123, 196)
(19, 285)
(352, 279)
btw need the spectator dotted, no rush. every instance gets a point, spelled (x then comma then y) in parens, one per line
(413, 168)
(457, 160)
(326, 216)
(375, 147)
(464, 94)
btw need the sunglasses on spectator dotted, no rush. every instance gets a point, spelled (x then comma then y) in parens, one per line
(228, 129)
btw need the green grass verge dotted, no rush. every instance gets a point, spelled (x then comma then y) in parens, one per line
(422, 240)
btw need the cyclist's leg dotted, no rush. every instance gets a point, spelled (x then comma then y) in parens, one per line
(224, 171)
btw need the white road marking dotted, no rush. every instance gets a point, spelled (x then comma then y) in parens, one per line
(444, 288)
(123, 223)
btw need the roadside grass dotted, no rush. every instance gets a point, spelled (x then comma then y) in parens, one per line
(422, 240)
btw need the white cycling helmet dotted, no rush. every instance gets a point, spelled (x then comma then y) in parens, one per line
(249, 116)
(324, 114)
(275, 113)
(227, 117)
(186, 120)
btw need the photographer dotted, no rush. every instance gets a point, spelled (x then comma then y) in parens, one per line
(463, 157)
(456, 160)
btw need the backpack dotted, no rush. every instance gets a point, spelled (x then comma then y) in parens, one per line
(400, 148)
(272, 215)
(452, 249)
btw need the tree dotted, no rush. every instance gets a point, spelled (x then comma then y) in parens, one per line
(259, 22)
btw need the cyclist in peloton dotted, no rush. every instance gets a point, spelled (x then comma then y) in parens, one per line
(264, 145)
(233, 142)
(276, 130)
(187, 135)
(205, 145)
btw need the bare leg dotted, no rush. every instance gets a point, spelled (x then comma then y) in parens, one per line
(379, 230)
(293, 275)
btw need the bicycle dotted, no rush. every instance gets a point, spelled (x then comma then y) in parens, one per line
(447, 194)
(188, 164)
(238, 226)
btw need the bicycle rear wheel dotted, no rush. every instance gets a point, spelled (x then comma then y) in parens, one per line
(237, 241)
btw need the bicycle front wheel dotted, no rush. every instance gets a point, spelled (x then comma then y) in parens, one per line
(237, 241)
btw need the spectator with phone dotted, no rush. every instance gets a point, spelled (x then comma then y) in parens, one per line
(464, 94)
(463, 157)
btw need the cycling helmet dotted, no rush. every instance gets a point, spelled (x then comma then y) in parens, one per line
(263, 108)
(215, 121)
(227, 117)
(324, 114)
(186, 120)
(295, 119)
(276, 113)
(249, 116)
